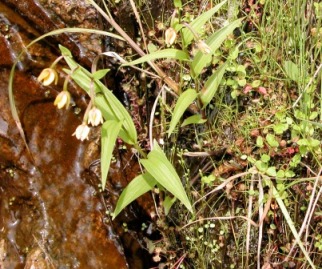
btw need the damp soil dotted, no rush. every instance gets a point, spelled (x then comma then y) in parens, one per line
(52, 212)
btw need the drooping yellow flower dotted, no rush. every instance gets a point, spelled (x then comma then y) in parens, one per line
(48, 76)
(82, 132)
(95, 116)
(170, 36)
(62, 100)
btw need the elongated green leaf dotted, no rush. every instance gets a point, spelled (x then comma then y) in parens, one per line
(211, 86)
(201, 60)
(167, 204)
(194, 119)
(111, 105)
(291, 224)
(110, 130)
(198, 23)
(291, 70)
(138, 186)
(102, 104)
(100, 73)
(166, 53)
(163, 171)
(184, 101)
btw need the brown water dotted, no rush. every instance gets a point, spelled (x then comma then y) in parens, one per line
(52, 214)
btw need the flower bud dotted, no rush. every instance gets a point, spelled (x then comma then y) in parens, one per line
(95, 116)
(203, 47)
(82, 132)
(48, 76)
(170, 36)
(62, 99)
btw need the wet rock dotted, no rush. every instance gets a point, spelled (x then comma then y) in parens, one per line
(52, 213)
(49, 15)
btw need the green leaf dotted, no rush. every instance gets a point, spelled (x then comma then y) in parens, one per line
(261, 166)
(265, 158)
(256, 83)
(271, 140)
(177, 3)
(271, 171)
(167, 204)
(201, 60)
(65, 51)
(137, 187)
(211, 86)
(100, 73)
(184, 100)
(194, 119)
(259, 141)
(198, 24)
(163, 171)
(166, 53)
(291, 70)
(112, 107)
(280, 128)
(110, 131)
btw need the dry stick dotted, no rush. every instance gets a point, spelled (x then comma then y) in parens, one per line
(222, 185)
(314, 203)
(160, 72)
(260, 215)
(219, 218)
(249, 215)
(308, 85)
(137, 16)
(307, 218)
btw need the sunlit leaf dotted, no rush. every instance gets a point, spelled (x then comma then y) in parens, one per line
(184, 100)
(271, 171)
(177, 3)
(271, 140)
(198, 23)
(110, 104)
(291, 70)
(137, 187)
(166, 53)
(194, 119)
(110, 131)
(202, 60)
(163, 171)
(100, 73)
(211, 86)
(168, 203)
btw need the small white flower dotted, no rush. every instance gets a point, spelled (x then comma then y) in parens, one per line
(48, 76)
(62, 99)
(170, 36)
(203, 47)
(95, 116)
(82, 132)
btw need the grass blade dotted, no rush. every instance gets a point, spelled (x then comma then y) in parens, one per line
(166, 53)
(184, 101)
(138, 186)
